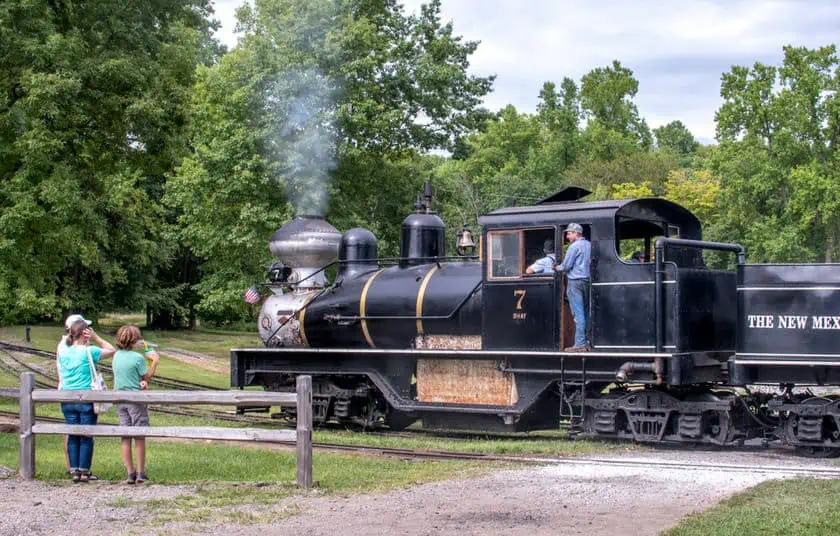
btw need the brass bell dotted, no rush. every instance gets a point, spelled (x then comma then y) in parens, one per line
(465, 245)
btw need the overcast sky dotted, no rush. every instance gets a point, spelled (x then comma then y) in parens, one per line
(677, 50)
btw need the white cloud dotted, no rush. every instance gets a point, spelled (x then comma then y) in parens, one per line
(678, 50)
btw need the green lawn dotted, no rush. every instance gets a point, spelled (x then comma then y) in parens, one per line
(47, 337)
(213, 343)
(801, 507)
(543, 443)
(177, 462)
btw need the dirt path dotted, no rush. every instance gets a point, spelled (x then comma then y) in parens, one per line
(567, 499)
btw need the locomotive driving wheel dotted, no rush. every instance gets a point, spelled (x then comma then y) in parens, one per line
(828, 430)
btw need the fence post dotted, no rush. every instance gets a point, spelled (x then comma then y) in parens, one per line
(27, 419)
(304, 431)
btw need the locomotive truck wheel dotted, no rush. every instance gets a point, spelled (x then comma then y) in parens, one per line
(716, 424)
(792, 424)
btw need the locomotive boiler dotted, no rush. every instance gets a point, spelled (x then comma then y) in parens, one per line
(474, 342)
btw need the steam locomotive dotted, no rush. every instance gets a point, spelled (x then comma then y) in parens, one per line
(681, 351)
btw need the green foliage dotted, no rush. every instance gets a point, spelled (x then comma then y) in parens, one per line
(606, 95)
(90, 120)
(676, 136)
(629, 190)
(142, 164)
(698, 191)
(778, 129)
(320, 99)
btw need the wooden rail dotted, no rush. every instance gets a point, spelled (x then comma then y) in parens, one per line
(29, 428)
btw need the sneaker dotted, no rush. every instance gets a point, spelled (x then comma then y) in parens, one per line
(84, 476)
(141, 477)
(132, 478)
(577, 349)
(77, 476)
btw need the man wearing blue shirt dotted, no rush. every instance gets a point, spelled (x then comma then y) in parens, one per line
(576, 267)
(545, 264)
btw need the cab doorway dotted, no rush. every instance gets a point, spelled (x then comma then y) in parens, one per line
(567, 320)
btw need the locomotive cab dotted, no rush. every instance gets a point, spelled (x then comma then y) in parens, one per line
(531, 312)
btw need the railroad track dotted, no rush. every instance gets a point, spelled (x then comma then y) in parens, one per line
(161, 381)
(781, 470)
(21, 366)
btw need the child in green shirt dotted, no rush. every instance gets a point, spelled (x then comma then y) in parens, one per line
(132, 374)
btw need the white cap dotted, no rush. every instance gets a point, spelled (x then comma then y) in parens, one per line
(72, 319)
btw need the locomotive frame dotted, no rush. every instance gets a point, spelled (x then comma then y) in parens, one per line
(671, 355)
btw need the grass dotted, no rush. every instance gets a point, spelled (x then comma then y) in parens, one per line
(171, 462)
(805, 507)
(220, 470)
(542, 443)
(214, 343)
(47, 337)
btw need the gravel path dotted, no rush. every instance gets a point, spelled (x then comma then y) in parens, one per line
(567, 499)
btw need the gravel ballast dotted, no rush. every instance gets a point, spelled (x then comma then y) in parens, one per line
(550, 499)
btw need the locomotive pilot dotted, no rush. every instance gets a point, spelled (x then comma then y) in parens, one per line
(576, 267)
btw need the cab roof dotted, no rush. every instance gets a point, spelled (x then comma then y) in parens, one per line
(562, 207)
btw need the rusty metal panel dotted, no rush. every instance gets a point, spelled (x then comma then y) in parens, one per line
(464, 382)
(448, 342)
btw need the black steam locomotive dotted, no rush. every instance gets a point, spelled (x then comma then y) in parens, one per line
(681, 351)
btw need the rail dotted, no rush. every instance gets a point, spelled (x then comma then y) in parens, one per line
(302, 436)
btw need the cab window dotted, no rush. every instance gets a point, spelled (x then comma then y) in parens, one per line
(511, 252)
(505, 253)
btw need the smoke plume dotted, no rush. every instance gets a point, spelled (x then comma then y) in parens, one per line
(301, 107)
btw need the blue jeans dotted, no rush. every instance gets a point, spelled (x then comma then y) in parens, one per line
(577, 290)
(79, 448)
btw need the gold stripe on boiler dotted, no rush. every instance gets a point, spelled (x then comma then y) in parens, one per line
(422, 294)
(363, 306)
(301, 318)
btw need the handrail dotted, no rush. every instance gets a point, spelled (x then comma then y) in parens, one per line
(339, 317)
(659, 293)
(378, 260)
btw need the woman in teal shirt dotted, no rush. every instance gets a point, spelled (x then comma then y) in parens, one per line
(76, 376)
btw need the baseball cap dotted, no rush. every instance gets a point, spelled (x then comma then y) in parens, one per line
(72, 319)
(574, 227)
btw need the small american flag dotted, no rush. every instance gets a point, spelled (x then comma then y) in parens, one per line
(251, 295)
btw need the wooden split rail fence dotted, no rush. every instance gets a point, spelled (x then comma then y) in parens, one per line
(29, 428)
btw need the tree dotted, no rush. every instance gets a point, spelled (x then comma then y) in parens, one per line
(698, 191)
(607, 97)
(633, 167)
(778, 128)
(91, 119)
(323, 106)
(398, 82)
(676, 136)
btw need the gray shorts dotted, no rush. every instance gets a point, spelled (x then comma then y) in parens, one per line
(133, 414)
